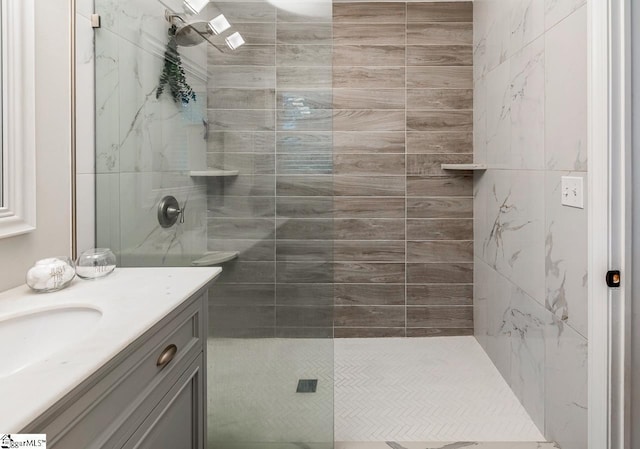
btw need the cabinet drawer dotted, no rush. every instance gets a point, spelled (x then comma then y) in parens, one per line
(108, 412)
(178, 420)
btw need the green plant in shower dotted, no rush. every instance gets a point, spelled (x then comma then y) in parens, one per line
(173, 75)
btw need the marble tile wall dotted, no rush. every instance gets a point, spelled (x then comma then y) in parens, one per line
(345, 223)
(530, 119)
(144, 144)
(85, 126)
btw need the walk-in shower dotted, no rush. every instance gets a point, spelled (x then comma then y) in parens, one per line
(240, 137)
(378, 181)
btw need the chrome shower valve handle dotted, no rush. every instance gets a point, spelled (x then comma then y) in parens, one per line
(168, 212)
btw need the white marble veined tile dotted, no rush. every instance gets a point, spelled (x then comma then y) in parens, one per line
(566, 93)
(108, 11)
(527, 107)
(144, 241)
(529, 273)
(85, 98)
(525, 322)
(498, 116)
(566, 387)
(482, 188)
(155, 133)
(85, 8)
(498, 345)
(498, 32)
(480, 36)
(566, 255)
(141, 22)
(482, 294)
(86, 213)
(139, 110)
(556, 10)
(514, 239)
(527, 23)
(107, 102)
(480, 121)
(108, 211)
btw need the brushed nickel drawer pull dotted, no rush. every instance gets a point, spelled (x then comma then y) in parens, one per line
(167, 356)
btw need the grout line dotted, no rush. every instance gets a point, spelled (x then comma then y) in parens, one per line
(406, 196)
(275, 176)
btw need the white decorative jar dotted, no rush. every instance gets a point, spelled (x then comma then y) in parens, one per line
(50, 275)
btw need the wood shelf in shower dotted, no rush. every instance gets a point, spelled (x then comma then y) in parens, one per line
(213, 173)
(215, 258)
(464, 167)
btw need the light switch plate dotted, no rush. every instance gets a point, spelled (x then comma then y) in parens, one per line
(573, 191)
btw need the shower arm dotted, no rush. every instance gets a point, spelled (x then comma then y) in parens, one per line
(171, 17)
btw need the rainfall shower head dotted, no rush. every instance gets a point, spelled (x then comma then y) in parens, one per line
(198, 30)
(192, 33)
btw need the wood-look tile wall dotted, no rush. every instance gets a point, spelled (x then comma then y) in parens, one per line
(270, 117)
(403, 100)
(345, 223)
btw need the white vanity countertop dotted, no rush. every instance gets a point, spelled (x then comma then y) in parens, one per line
(131, 301)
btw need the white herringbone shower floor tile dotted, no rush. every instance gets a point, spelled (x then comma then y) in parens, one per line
(424, 389)
(369, 390)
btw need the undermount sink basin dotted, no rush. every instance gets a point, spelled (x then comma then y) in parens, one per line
(34, 336)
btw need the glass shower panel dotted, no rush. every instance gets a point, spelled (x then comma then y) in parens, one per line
(227, 106)
(271, 314)
(147, 139)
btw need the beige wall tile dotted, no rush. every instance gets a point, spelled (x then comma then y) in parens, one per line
(439, 142)
(369, 98)
(440, 120)
(440, 77)
(439, 208)
(369, 12)
(440, 316)
(367, 34)
(370, 251)
(440, 12)
(304, 55)
(440, 251)
(368, 120)
(372, 164)
(440, 273)
(439, 98)
(369, 142)
(363, 207)
(440, 295)
(369, 186)
(369, 316)
(440, 34)
(368, 273)
(368, 55)
(368, 294)
(369, 77)
(430, 164)
(459, 185)
(440, 229)
(440, 55)
(304, 33)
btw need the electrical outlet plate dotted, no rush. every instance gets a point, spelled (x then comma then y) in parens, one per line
(573, 191)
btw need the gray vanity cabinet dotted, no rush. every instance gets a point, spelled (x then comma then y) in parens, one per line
(175, 422)
(151, 395)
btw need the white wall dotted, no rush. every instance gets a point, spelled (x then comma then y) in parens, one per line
(635, 326)
(530, 122)
(53, 229)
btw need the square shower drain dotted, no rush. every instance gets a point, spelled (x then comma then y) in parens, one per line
(307, 386)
